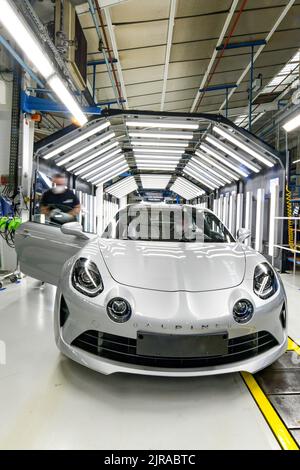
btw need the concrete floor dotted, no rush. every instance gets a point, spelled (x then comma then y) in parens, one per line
(49, 402)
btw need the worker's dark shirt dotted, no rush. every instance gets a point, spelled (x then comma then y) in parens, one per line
(67, 198)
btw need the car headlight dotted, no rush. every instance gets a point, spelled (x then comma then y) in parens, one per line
(86, 278)
(264, 282)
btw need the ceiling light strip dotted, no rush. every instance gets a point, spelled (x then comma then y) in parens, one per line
(223, 159)
(118, 170)
(217, 164)
(171, 152)
(198, 162)
(156, 143)
(162, 124)
(199, 170)
(224, 148)
(161, 135)
(90, 157)
(77, 140)
(84, 150)
(99, 161)
(246, 148)
(101, 168)
(191, 173)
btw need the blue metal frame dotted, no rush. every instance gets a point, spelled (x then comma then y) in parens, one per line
(31, 104)
(92, 63)
(252, 45)
(225, 87)
(237, 45)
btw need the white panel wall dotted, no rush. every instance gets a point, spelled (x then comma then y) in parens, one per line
(259, 221)
(248, 214)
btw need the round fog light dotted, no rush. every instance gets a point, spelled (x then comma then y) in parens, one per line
(243, 311)
(119, 310)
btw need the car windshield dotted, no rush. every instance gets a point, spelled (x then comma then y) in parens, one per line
(170, 223)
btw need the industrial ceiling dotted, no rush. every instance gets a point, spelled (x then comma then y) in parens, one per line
(166, 50)
(172, 60)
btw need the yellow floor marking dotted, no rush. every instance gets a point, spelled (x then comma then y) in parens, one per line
(292, 346)
(280, 431)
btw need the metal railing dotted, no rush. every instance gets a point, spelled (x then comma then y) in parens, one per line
(291, 248)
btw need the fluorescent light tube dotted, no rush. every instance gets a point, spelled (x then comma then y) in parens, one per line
(104, 174)
(161, 124)
(221, 177)
(162, 135)
(98, 162)
(116, 172)
(151, 162)
(158, 157)
(154, 168)
(209, 160)
(209, 184)
(188, 189)
(87, 159)
(218, 156)
(84, 150)
(101, 168)
(292, 123)
(206, 174)
(221, 146)
(156, 143)
(173, 151)
(80, 138)
(67, 99)
(29, 44)
(235, 141)
(25, 39)
(201, 172)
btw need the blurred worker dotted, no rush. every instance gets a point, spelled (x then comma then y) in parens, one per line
(60, 198)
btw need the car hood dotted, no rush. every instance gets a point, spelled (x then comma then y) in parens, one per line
(172, 266)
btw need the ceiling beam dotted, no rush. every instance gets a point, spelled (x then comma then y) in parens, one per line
(168, 51)
(116, 54)
(215, 52)
(260, 49)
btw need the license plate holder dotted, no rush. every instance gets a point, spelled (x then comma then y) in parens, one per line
(168, 345)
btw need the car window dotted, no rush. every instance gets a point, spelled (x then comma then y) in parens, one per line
(180, 223)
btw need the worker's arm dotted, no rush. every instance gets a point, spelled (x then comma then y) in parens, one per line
(44, 209)
(75, 211)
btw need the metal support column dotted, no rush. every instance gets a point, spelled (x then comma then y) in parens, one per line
(27, 155)
(15, 130)
(251, 89)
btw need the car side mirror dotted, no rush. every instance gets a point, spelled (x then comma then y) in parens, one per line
(75, 229)
(243, 234)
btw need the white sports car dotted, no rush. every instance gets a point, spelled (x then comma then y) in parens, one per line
(166, 290)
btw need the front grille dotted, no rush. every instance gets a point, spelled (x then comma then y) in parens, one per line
(121, 349)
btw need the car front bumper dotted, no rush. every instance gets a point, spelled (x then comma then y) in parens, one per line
(161, 317)
(106, 366)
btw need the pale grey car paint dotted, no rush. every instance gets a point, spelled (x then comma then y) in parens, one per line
(43, 250)
(181, 302)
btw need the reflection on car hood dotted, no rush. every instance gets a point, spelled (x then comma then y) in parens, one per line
(172, 266)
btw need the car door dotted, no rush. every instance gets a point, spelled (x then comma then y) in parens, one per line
(43, 249)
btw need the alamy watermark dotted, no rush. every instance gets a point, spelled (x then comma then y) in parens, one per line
(165, 224)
